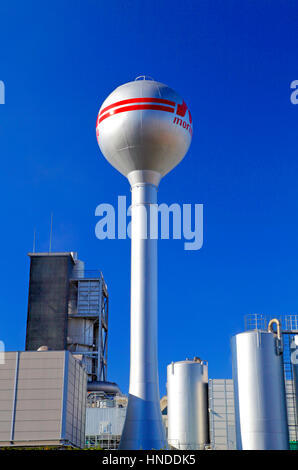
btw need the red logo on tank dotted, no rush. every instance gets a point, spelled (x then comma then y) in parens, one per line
(181, 111)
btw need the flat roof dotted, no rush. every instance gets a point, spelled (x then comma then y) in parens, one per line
(72, 254)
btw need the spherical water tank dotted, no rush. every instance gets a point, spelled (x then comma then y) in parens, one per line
(144, 125)
(187, 388)
(259, 387)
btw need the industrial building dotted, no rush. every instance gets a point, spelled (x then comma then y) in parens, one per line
(68, 310)
(43, 389)
(105, 416)
(42, 400)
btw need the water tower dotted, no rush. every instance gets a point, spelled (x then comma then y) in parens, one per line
(144, 130)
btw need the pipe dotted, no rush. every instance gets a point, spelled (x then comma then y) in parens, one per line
(101, 386)
(278, 327)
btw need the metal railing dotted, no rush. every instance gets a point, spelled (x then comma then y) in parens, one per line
(255, 321)
(87, 274)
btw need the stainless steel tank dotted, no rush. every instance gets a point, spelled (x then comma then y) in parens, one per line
(259, 387)
(187, 388)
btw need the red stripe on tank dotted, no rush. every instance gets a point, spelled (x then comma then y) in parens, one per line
(137, 100)
(154, 107)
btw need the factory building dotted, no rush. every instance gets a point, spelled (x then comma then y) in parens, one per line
(105, 416)
(68, 310)
(221, 414)
(43, 389)
(42, 399)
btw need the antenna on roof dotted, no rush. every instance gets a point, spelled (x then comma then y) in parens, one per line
(51, 233)
(34, 239)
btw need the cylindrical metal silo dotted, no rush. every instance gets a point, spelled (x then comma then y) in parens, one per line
(260, 401)
(187, 388)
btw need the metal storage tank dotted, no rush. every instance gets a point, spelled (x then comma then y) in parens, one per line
(187, 388)
(259, 387)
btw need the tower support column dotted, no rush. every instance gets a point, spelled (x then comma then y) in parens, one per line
(143, 428)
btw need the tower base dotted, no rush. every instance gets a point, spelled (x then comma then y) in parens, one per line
(143, 428)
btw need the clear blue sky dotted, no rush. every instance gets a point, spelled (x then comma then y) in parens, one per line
(233, 63)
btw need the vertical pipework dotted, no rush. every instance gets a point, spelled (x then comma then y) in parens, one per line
(143, 427)
(278, 327)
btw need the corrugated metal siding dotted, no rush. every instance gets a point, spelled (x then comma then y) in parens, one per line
(32, 420)
(104, 421)
(89, 297)
(38, 415)
(76, 403)
(291, 408)
(222, 414)
(7, 380)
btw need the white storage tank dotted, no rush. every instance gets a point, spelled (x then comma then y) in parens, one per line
(187, 389)
(259, 387)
